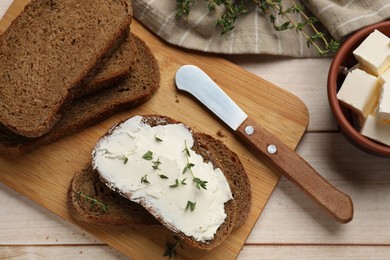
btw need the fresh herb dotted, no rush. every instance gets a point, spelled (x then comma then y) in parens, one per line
(125, 160)
(86, 198)
(178, 183)
(278, 13)
(170, 249)
(183, 8)
(188, 167)
(144, 179)
(198, 182)
(190, 206)
(228, 19)
(186, 150)
(158, 139)
(162, 176)
(148, 155)
(156, 164)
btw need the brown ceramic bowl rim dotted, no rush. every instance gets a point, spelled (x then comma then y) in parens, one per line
(359, 140)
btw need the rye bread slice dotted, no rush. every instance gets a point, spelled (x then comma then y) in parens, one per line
(136, 89)
(91, 201)
(214, 151)
(52, 48)
(114, 70)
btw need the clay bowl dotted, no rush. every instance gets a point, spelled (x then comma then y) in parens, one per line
(344, 117)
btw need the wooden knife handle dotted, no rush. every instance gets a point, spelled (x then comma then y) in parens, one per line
(297, 170)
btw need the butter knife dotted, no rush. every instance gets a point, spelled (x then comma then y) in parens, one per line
(286, 161)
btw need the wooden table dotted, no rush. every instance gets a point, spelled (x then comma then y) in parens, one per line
(290, 227)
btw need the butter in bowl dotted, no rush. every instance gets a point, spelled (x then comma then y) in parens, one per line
(359, 89)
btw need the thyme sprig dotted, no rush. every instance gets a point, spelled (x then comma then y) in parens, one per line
(198, 182)
(178, 183)
(170, 249)
(274, 9)
(93, 202)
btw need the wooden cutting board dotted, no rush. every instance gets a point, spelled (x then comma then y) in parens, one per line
(44, 175)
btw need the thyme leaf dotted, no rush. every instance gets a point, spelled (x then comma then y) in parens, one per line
(186, 150)
(156, 164)
(188, 167)
(190, 206)
(144, 179)
(148, 156)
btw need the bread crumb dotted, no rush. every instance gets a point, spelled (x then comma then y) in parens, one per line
(220, 133)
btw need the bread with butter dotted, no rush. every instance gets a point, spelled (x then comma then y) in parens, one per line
(51, 49)
(211, 151)
(137, 88)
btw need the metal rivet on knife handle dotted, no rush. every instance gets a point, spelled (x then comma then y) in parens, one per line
(272, 149)
(249, 130)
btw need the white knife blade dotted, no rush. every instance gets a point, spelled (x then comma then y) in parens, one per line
(193, 80)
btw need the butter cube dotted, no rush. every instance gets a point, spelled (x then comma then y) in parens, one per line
(384, 103)
(374, 53)
(376, 130)
(385, 76)
(360, 92)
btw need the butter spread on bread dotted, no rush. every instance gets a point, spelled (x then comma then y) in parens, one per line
(151, 164)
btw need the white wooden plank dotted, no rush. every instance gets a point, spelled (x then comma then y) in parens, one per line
(4, 4)
(22, 221)
(249, 252)
(299, 252)
(60, 252)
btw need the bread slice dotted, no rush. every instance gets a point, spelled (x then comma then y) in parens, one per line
(214, 151)
(89, 200)
(136, 89)
(114, 70)
(52, 48)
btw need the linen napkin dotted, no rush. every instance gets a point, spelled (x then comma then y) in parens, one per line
(254, 33)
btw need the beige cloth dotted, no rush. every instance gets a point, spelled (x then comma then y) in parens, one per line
(253, 33)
